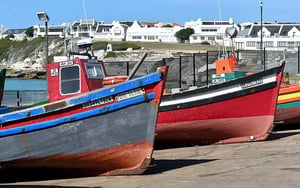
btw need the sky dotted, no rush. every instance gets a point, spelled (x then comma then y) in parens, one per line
(17, 14)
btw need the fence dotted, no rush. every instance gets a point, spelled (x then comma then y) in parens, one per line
(196, 69)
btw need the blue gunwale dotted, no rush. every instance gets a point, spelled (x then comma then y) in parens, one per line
(82, 98)
(75, 117)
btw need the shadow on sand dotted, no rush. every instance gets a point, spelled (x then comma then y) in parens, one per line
(282, 134)
(35, 174)
(39, 186)
(26, 175)
(163, 165)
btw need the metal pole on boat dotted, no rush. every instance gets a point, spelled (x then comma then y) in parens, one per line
(261, 32)
(135, 68)
(43, 17)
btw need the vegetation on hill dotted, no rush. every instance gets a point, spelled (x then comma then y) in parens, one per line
(30, 45)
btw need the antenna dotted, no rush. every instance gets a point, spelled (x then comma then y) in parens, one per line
(84, 10)
(220, 19)
(220, 12)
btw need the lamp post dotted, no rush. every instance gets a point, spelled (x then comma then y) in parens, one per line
(261, 33)
(43, 17)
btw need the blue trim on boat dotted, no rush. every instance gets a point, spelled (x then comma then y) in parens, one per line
(118, 88)
(82, 98)
(289, 104)
(76, 117)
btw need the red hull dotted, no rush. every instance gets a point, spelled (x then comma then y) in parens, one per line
(122, 158)
(248, 117)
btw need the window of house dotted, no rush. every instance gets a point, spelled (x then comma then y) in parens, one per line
(281, 43)
(250, 43)
(269, 44)
(211, 38)
(151, 37)
(136, 37)
(70, 80)
(291, 44)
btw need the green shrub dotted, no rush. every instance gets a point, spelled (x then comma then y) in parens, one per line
(110, 54)
(205, 43)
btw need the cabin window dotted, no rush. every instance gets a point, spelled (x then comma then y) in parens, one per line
(70, 80)
(94, 71)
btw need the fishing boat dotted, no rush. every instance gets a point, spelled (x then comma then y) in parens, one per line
(238, 110)
(236, 107)
(85, 127)
(288, 105)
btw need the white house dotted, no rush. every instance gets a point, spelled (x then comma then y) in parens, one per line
(85, 28)
(276, 36)
(53, 30)
(19, 34)
(209, 31)
(156, 32)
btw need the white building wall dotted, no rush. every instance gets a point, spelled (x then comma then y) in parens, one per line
(152, 34)
(269, 43)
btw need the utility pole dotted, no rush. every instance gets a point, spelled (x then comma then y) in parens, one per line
(261, 33)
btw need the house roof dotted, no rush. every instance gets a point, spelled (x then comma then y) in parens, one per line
(285, 29)
(14, 31)
(274, 29)
(128, 23)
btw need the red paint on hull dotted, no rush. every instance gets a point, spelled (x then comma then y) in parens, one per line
(233, 120)
(127, 159)
(210, 131)
(284, 116)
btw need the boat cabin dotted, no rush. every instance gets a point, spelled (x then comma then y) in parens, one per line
(227, 69)
(74, 76)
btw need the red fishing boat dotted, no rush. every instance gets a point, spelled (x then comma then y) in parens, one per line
(238, 110)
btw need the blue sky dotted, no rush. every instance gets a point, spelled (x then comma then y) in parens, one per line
(22, 13)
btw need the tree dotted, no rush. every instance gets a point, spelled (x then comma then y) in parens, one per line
(29, 32)
(184, 34)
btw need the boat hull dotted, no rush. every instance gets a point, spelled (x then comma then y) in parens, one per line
(96, 144)
(223, 113)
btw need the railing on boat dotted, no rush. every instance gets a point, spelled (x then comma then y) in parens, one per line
(16, 98)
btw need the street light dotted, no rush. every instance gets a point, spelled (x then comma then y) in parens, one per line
(43, 17)
(261, 33)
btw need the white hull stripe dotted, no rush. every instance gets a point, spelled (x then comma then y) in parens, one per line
(214, 93)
